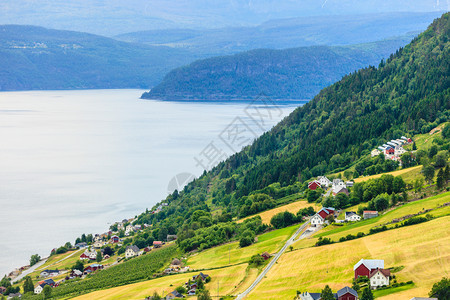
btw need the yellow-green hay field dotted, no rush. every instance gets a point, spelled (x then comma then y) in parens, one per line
(291, 207)
(423, 249)
(228, 278)
(231, 253)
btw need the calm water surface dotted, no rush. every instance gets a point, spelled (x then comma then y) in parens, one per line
(73, 162)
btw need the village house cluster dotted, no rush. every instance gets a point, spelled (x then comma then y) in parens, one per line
(335, 187)
(393, 149)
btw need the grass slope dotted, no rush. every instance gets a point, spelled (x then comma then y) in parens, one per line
(232, 254)
(226, 279)
(423, 249)
(292, 207)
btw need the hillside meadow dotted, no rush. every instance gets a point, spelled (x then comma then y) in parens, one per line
(292, 208)
(231, 253)
(423, 250)
(226, 280)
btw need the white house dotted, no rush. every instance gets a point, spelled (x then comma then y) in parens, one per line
(319, 218)
(324, 181)
(351, 216)
(129, 229)
(131, 251)
(379, 278)
(375, 152)
(338, 184)
(399, 151)
(39, 289)
(98, 244)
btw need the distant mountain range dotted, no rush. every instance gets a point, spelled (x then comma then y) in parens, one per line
(114, 17)
(39, 58)
(290, 74)
(288, 33)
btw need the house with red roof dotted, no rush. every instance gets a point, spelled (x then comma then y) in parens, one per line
(313, 185)
(157, 244)
(321, 215)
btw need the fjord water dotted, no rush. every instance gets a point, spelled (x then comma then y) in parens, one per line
(73, 162)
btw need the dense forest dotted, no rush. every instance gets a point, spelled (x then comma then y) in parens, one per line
(297, 73)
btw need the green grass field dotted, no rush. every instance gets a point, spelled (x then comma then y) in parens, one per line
(232, 254)
(335, 232)
(423, 249)
(292, 207)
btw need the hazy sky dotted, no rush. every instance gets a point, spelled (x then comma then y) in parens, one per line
(112, 17)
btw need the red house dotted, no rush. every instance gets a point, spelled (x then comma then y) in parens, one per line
(347, 294)
(365, 266)
(390, 151)
(157, 244)
(325, 212)
(93, 268)
(115, 239)
(84, 256)
(265, 255)
(147, 249)
(313, 185)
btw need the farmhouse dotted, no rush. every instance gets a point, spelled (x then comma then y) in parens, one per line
(375, 152)
(201, 276)
(41, 284)
(131, 251)
(115, 239)
(89, 255)
(93, 268)
(343, 294)
(265, 255)
(47, 273)
(174, 295)
(369, 214)
(379, 278)
(98, 244)
(340, 189)
(313, 185)
(351, 216)
(324, 181)
(319, 218)
(81, 245)
(365, 266)
(157, 244)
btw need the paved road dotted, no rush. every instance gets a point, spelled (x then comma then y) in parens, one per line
(34, 267)
(289, 242)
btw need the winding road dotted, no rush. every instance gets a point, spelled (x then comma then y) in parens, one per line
(289, 242)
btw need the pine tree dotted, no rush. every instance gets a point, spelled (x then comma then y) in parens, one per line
(440, 181)
(367, 294)
(327, 294)
(28, 285)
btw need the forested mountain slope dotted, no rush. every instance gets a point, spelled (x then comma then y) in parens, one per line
(297, 73)
(408, 92)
